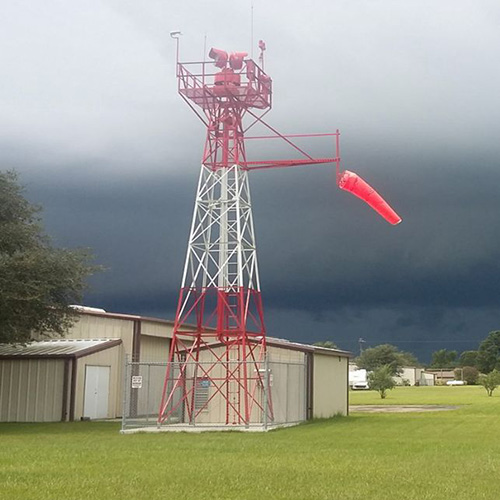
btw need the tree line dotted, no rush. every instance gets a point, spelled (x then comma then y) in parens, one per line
(384, 362)
(486, 358)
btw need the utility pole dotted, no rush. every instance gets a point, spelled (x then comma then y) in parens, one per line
(361, 341)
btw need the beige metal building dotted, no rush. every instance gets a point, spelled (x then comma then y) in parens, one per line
(414, 375)
(82, 375)
(42, 381)
(326, 379)
(298, 382)
(143, 338)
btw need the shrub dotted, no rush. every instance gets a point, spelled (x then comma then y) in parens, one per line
(490, 381)
(470, 374)
(381, 380)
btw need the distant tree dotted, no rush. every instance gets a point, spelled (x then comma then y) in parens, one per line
(37, 281)
(326, 343)
(468, 358)
(490, 381)
(443, 358)
(385, 354)
(381, 380)
(408, 359)
(468, 374)
(488, 357)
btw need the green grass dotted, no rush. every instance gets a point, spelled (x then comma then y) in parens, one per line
(439, 455)
(439, 395)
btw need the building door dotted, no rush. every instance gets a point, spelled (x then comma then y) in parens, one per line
(95, 403)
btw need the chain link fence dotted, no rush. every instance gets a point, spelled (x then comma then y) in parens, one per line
(278, 395)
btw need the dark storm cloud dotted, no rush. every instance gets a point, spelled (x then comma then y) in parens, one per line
(446, 249)
(138, 229)
(324, 255)
(91, 119)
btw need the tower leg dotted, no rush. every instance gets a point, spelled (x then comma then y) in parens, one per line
(216, 359)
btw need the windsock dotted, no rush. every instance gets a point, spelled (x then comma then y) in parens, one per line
(349, 181)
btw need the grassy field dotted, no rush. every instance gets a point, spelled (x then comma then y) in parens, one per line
(437, 455)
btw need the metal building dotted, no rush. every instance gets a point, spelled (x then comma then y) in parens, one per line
(82, 375)
(42, 381)
(304, 382)
(51, 380)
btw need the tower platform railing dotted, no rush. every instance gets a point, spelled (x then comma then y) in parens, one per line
(248, 87)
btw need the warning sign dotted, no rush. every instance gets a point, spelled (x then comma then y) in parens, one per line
(137, 382)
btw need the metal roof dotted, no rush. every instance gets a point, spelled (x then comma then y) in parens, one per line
(60, 348)
(96, 311)
(289, 344)
(294, 346)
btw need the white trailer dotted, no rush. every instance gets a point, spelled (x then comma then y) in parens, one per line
(358, 379)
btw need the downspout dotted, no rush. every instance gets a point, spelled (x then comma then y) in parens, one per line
(136, 340)
(347, 390)
(135, 368)
(64, 412)
(72, 396)
(310, 385)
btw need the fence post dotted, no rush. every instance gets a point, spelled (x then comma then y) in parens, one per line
(125, 392)
(147, 394)
(287, 393)
(192, 419)
(305, 389)
(266, 389)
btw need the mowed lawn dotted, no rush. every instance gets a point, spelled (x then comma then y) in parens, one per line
(437, 455)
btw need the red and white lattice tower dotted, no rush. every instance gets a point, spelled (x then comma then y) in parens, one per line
(220, 299)
(219, 309)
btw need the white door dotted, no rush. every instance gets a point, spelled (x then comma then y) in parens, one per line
(95, 403)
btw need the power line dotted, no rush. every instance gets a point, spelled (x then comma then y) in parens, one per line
(411, 341)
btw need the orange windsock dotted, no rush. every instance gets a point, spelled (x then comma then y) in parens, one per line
(349, 181)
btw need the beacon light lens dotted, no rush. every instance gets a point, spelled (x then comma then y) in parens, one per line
(219, 57)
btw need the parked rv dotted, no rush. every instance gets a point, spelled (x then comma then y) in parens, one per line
(358, 379)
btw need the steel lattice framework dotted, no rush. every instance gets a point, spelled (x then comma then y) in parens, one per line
(219, 314)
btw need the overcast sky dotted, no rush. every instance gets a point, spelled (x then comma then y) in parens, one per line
(91, 120)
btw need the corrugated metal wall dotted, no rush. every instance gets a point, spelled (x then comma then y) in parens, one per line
(155, 329)
(288, 387)
(283, 354)
(98, 327)
(330, 387)
(154, 348)
(31, 390)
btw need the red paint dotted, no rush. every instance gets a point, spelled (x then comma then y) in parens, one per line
(231, 316)
(353, 183)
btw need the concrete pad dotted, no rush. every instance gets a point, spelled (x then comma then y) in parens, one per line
(207, 428)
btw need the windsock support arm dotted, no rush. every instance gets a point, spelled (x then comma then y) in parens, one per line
(346, 180)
